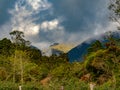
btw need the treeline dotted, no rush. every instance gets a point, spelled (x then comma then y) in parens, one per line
(102, 62)
(22, 64)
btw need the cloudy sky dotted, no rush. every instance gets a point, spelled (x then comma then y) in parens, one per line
(45, 22)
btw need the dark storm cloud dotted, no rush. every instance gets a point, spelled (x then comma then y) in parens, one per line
(81, 14)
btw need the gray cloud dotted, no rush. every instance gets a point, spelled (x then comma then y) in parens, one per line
(81, 13)
(84, 18)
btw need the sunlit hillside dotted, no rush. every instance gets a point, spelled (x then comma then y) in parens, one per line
(63, 47)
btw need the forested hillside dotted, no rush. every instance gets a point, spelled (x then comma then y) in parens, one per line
(21, 64)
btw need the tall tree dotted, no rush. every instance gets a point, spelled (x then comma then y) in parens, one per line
(22, 68)
(18, 38)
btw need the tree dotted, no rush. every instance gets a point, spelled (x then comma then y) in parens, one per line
(22, 68)
(97, 45)
(18, 38)
(5, 68)
(115, 9)
(6, 47)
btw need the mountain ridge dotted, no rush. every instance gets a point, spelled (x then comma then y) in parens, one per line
(77, 53)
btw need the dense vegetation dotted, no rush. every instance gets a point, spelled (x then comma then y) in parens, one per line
(22, 64)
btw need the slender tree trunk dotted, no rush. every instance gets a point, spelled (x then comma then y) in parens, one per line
(14, 68)
(21, 66)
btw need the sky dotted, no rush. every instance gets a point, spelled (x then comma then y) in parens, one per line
(45, 22)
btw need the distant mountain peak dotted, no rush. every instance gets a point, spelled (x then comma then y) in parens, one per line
(64, 47)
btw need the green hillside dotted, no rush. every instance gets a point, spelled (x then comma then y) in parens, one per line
(21, 64)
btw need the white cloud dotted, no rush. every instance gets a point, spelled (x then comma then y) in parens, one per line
(32, 30)
(24, 17)
(39, 4)
(42, 45)
(99, 29)
(51, 25)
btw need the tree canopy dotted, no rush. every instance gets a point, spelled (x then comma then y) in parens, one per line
(18, 38)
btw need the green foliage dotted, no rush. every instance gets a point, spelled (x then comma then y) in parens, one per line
(103, 64)
(24, 65)
(95, 46)
(67, 84)
(34, 54)
(6, 47)
(5, 68)
(8, 86)
(17, 37)
(23, 69)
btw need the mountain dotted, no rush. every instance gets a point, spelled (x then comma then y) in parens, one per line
(57, 49)
(63, 47)
(78, 52)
